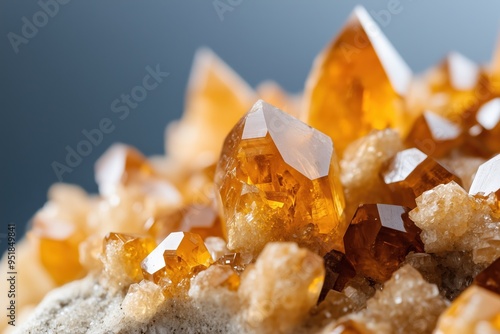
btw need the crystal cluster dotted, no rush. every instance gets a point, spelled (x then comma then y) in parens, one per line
(370, 203)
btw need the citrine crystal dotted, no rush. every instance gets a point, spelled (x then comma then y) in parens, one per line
(452, 87)
(434, 135)
(197, 218)
(122, 257)
(120, 164)
(58, 229)
(411, 172)
(346, 102)
(216, 99)
(476, 310)
(278, 291)
(379, 238)
(487, 179)
(176, 258)
(338, 271)
(278, 179)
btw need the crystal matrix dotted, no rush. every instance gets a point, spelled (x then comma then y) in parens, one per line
(278, 180)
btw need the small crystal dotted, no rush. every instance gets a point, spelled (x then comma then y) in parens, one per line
(489, 278)
(379, 238)
(434, 135)
(122, 256)
(278, 179)
(175, 259)
(410, 173)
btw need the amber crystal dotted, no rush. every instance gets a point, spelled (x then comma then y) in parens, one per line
(487, 179)
(338, 271)
(357, 83)
(234, 260)
(120, 164)
(123, 254)
(476, 310)
(197, 218)
(278, 179)
(379, 238)
(410, 173)
(176, 258)
(434, 135)
(454, 87)
(216, 99)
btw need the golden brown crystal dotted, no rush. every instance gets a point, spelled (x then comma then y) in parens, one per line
(175, 259)
(487, 178)
(434, 135)
(410, 173)
(122, 257)
(342, 100)
(489, 278)
(278, 179)
(379, 238)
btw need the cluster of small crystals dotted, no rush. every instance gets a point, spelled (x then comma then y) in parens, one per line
(367, 204)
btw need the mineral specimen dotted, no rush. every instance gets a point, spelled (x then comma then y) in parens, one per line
(278, 180)
(487, 179)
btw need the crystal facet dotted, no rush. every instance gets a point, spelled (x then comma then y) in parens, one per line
(434, 135)
(487, 179)
(278, 179)
(379, 238)
(410, 173)
(489, 278)
(342, 100)
(176, 258)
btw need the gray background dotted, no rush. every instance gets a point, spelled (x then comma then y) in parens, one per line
(64, 80)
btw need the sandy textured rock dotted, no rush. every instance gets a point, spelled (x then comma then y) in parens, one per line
(84, 306)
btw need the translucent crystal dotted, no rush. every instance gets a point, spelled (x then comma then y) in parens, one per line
(360, 168)
(434, 135)
(338, 271)
(176, 259)
(58, 229)
(462, 165)
(477, 310)
(278, 179)
(216, 276)
(216, 99)
(410, 173)
(489, 278)
(379, 238)
(357, 83)
(142, 301)
(120, 165)
(122, 256)
(280, 288)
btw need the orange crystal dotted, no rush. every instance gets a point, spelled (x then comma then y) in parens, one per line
(434, 135)
(379, 238)
(278, 180)
(120, 164)
(176, 258)
(489, 278)
(197, 218)
(357, 84)
(410, 173)
(129, 251)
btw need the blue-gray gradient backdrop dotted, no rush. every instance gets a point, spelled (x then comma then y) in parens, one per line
(87, 53)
